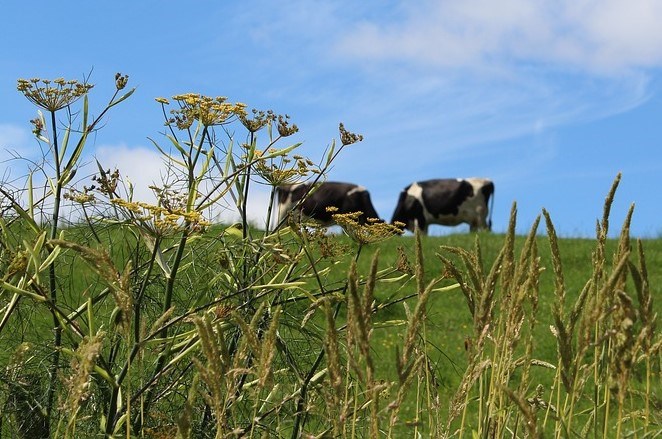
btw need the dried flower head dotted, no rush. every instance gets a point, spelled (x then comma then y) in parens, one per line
(38, 125)
(207, 110)
(107, 181)
(260, 119)
(81, 197)
(121, 80)
(373, 230)
(347, 138)
(284, 128)
(402, 264)
(52, 95)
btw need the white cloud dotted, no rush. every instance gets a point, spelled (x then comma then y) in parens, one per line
(144, 167)
(594, 35)
(141, 166)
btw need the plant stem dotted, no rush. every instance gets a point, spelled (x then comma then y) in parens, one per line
(52, 279)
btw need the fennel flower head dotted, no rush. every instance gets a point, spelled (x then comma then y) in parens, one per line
(207, 110)
(373, 230)
(52, 95)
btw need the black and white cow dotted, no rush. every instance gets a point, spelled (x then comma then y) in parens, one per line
(346, 197)
(448, 202)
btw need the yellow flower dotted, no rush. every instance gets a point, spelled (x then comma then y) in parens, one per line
(278, 171)
(374, 230)
(52, 95)
(208, 111)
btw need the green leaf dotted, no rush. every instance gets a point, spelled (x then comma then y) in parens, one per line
(177, 145)
(150, 242)
(122, 98)
(64, 144)
(9, 308)
(329, 155)
(29, 219)
(281, 152)
(73, 160)
(234, 230)
(51, 257)
(20, 291)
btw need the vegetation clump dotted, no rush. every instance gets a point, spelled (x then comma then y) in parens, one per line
(148, 319)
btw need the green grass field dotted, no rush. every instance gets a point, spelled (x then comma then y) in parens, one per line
(147, 321)
(449, 323)
(448, 326)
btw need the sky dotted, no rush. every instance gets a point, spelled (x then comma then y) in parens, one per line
(550, 99)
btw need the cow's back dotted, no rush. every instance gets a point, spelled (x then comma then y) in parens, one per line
(345, 197)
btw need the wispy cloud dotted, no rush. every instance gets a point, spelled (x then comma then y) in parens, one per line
(447, 79)
(593, 35)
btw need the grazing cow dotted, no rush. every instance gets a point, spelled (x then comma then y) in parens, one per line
(312, 202)
(448, 202)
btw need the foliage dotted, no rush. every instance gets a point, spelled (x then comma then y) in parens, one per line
(147, 320)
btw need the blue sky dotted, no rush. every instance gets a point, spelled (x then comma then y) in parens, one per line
(550, 99)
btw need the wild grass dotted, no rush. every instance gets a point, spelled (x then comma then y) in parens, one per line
(145, 320)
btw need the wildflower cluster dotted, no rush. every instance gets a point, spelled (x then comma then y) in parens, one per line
(160, 220)
(348, 138)
(284, 170)
(260, 119)
(284, 127)
(207, 110)
(121, 80)
(170, 199)
(373, 230)
(18, 265)
(107, 181)
(38, 125)
(81, 197)
(52, 95)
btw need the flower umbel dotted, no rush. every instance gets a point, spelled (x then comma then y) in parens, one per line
(347, 138)
(259, 120)
(374, 230)
(160, 220)
(52, 95)
(121, 80)
(284, 170)
(81, 197)
(207, 110)
(284, 127)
